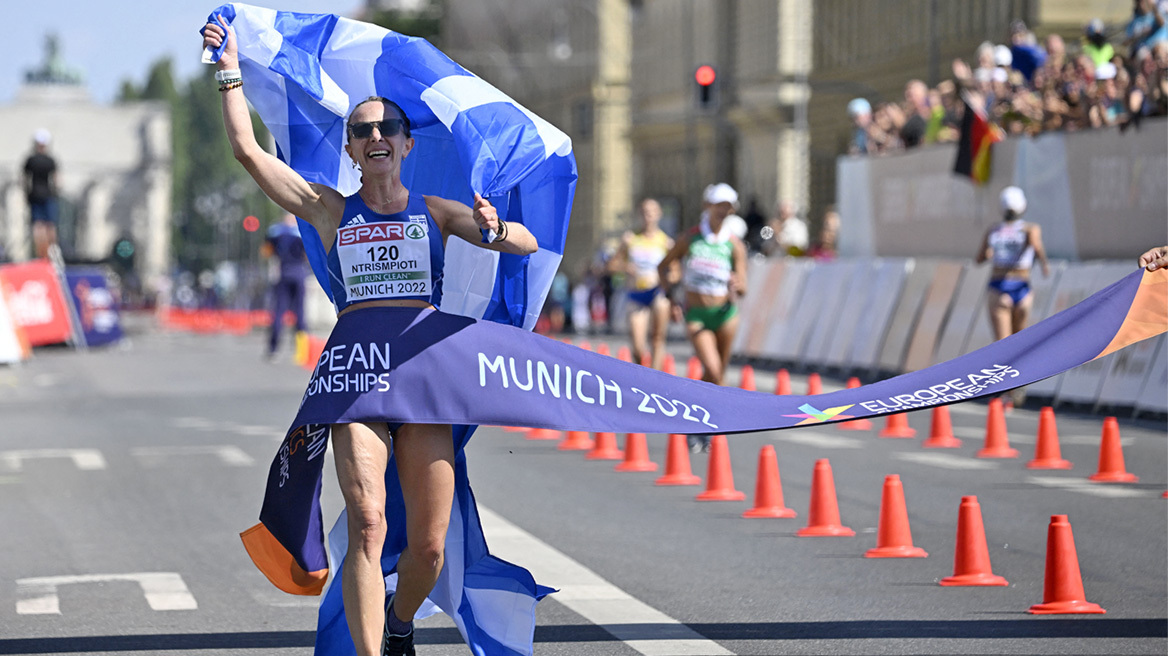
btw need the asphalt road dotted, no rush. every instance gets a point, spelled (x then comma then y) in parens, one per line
(126, 475)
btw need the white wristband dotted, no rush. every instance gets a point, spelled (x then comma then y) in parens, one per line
(227, 74)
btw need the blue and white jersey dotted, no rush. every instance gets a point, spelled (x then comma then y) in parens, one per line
(396, 256)
(1009, 242)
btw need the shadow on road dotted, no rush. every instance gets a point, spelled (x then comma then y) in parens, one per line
(857, 630)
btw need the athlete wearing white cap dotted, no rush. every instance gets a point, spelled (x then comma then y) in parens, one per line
(714, 274)
(1012, 246)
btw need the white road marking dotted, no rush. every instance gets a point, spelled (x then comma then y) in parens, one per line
(945, 460)
(198, 423)
(972, 433)
(163, 591)
(820, 440)
(209, 425)
(229, 454)
(84, 459)
(1104, 490)
(587, 594)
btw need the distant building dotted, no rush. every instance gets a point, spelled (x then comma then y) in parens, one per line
(114, 168)
(618, 77)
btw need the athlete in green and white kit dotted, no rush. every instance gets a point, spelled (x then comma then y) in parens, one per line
(714, 275)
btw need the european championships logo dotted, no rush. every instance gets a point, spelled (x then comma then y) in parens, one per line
(811, 415)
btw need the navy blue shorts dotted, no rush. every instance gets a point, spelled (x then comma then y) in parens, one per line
(644, 297)
(1016, 289)
(43, 211)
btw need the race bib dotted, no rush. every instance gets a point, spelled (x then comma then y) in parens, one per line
(385, 260)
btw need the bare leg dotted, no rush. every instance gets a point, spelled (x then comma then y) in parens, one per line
(660, 329)
(638, 330)
(1001, 308)
(705, 345)
(425, 465)
(725, 339)
(1021, 314)
(361, 453)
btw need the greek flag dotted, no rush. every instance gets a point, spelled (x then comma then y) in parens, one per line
(304, 74)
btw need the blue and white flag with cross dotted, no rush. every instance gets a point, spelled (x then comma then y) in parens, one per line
(304, 74)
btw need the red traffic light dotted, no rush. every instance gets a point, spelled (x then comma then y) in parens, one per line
(705, 75)
(251, 224)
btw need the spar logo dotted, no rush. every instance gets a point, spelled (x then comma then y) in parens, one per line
(370, 232)
(811, 415)
(415, 231)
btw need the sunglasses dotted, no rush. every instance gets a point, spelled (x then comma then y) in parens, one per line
(390, 127)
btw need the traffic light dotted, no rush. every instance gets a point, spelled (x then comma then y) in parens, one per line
(705, 78)
(123, 254)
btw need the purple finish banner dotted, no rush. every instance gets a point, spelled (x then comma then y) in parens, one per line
(423, 366)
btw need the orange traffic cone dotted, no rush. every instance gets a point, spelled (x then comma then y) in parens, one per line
(670, 365)
(623, 353)
(814, 384)
(314, 353)
(719, 476)
(604, 448)
(855, 424)
(1047, 454)
(585, 344)
(897, 426)
(997, 441)
(1062, 587)
(748, 379)
(783, 383)
(768, 488)
(576, 441)
(543, 434)
(636, 455)
(893, 537)
(971, 562)
(677, 469)
(941, 431)
(823, 519)
(515, 429)
(1111, 467)
(646, 360)
(602, 349)
(693, 369)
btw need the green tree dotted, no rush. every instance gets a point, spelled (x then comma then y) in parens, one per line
(425, 22)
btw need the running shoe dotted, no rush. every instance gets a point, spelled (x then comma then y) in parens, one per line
(396, 645)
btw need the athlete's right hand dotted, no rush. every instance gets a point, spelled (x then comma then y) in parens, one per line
(1155, 258)
(214, 34)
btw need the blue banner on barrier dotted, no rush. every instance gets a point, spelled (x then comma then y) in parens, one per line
(97, 305)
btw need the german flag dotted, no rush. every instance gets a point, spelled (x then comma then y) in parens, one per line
(974, 146)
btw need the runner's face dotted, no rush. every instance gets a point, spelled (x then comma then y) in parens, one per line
(650, 214)
(719, 211)
(377, 153)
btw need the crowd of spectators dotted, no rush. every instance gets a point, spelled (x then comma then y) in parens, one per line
(1027, 88)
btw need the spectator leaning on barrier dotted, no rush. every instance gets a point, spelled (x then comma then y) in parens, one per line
(1107, 105)
(1025, 89)
(827, 243)
(860, 112)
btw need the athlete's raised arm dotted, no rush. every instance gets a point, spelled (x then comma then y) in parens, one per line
(317, 204)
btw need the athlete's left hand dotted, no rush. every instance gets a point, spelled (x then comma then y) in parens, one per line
(737, 285)
(485, 214)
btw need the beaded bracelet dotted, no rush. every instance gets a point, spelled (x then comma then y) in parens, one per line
(230, 84)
